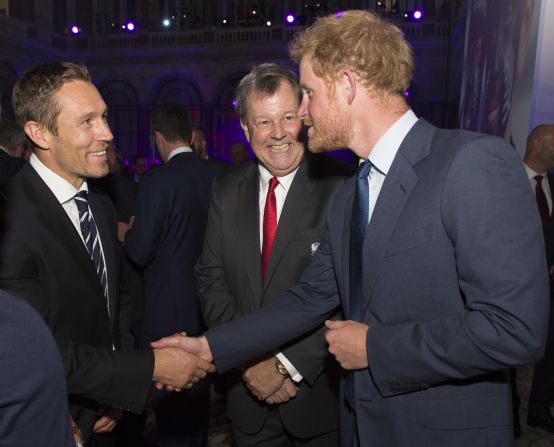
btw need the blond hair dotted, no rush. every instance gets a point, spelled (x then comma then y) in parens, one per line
(361, 41)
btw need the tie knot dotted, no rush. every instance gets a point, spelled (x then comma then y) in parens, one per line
(273, 182)
(81, 201)
(538, 178)
(364, 168)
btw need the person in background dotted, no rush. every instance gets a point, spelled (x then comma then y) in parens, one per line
(165, 241)
(12, 149)
(538, 159)
(238, 153)
(139, 167)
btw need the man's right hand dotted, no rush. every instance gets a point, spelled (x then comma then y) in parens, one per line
(194, 345)
(177, 368)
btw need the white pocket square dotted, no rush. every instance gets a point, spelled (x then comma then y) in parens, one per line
(314, 247)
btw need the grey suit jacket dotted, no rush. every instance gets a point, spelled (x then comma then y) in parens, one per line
(229, 279)
(455, 293)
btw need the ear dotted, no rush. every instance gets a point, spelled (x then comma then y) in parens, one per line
(347, 82)
(38, 134)
(245, 129)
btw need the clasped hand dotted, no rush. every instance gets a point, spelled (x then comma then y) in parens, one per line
(265, 383)
(181, 361)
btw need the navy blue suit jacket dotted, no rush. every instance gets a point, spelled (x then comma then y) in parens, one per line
(455, 292)
(166, 240)
(33, 392)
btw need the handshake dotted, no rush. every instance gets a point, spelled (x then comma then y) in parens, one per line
(181, 361)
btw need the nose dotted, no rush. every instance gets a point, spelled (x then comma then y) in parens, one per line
(105, 134)
(277, 131)
(303, 109)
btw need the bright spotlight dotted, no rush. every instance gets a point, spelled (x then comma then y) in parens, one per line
(75, 29)
(129, 26)
(166, 22)
(290, 19)
(418, 14)
(268, 23)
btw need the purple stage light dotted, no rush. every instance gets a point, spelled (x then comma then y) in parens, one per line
(339, 14)
(234, 103)
(75, 29)
(290, 19)
(418, 14)
(406, 93)
(130, 26)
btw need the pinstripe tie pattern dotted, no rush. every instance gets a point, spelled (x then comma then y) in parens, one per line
(92, 240)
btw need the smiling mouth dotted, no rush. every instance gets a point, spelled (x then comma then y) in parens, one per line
(278, 148)
(98, 154)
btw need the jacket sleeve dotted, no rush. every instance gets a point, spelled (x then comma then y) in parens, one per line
(116, 378)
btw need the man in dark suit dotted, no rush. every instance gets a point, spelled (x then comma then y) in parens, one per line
(59, 249)
(434, 250)
(33, 402)
(12, 147)
(166, 240)
(538, 159)
(230, 269)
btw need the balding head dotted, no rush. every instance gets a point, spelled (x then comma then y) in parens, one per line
(539, 154)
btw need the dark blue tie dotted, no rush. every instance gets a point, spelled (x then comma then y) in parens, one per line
(92, 240)
(358, 228)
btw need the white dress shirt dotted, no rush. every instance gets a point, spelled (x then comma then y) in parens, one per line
(281, 191)
(544, 183)
(65, 194)
(383, 153)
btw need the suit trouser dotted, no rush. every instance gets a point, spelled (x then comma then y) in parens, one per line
(182, 418)
(274, 434)
(542, 389)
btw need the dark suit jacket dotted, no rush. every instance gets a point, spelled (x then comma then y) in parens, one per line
(9, 166)
(229, 285)
(33, 393)
(166, 240)
(44, 261)
(455, 292)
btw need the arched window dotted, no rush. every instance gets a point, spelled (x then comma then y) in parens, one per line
(225, 124)
(123, 117)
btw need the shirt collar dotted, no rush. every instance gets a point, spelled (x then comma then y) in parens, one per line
(531, 173)
(384, 151)
(178, 150)
(62, 189)
(265, 176)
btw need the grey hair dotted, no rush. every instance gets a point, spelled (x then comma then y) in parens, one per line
(263, 80)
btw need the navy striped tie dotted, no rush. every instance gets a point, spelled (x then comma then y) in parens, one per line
(92, 240)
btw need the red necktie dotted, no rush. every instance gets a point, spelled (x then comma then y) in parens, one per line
(270, 224)
(541, 200)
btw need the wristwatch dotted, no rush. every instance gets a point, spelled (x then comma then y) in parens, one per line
(281, 368)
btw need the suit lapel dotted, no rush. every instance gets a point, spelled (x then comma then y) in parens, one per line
(249, 230)
(106, 237)
(291, 214)
(54, 216)
(397, 187)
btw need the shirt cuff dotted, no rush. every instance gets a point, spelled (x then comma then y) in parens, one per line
(293, 372)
